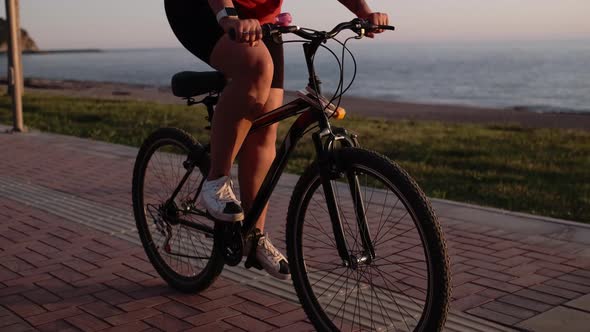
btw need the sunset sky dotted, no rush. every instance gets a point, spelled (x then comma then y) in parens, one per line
(141, 23)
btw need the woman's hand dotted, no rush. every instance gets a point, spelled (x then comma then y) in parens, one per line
(377, 19)
(247, 31)
(361, 9)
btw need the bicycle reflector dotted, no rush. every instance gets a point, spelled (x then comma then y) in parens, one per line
(321, 102)
(340, 113)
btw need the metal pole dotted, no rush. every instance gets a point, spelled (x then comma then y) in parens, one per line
(14, 71)
(20, 43)
(8, 53)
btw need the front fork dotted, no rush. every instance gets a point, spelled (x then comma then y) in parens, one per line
(329, 171)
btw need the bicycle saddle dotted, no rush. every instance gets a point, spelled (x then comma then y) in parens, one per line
(190, 83)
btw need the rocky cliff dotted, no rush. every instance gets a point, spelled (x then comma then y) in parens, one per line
(27, 43)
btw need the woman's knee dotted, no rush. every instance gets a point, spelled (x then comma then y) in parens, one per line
(243, 62)
(260, 69)
(256, 78)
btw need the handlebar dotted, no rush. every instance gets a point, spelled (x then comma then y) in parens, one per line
(357, 25)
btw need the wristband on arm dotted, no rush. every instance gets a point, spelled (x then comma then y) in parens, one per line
(226, 12)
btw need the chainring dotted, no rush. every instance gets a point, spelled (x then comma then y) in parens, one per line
(230, 242)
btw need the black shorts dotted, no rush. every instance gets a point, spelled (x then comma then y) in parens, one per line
(195, 26)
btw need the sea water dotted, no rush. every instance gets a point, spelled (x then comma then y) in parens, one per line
(536, 76)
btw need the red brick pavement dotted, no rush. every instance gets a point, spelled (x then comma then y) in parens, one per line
(58, 275)
(55, 275)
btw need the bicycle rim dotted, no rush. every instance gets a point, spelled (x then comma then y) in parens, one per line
(394, 291)
(180, 252)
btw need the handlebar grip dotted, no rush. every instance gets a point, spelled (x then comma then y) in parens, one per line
(380, 27)
(267, 30)
(386, 27)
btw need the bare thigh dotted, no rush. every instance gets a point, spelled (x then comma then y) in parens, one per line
(237, 60)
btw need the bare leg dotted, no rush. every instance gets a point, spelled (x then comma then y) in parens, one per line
(250, 69)
(256, 156)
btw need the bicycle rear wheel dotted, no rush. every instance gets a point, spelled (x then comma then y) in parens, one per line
(177, 238)
(405, 286)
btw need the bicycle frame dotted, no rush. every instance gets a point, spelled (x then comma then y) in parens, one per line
(295, 133)
(308, 116)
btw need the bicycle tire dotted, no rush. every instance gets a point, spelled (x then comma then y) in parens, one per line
(157, 170)
(311, 267)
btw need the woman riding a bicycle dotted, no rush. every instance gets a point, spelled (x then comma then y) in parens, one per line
(253, 67)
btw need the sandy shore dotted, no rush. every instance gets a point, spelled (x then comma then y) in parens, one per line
(354, 106)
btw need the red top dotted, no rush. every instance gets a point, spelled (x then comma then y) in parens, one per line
(263, 10)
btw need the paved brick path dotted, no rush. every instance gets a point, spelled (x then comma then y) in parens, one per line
(515, 270)
(57, 275)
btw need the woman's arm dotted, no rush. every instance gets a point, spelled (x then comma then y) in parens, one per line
(362, 10)
(246, 30)
(358, 7)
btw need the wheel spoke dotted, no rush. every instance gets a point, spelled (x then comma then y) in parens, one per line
(187, 258)
(386, 292)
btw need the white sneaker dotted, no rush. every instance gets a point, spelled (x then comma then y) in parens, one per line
(269, 257)
(219, 200)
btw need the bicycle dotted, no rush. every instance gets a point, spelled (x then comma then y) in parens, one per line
(362, 239)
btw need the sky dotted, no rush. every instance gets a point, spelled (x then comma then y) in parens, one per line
(62, 24)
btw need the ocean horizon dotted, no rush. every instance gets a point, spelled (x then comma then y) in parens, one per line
(534, 76)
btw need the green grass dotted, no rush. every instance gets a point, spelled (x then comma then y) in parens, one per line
(539, 171)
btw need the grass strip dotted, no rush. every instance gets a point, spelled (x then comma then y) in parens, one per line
(538, 171)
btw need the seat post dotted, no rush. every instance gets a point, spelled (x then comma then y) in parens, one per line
(210, 101)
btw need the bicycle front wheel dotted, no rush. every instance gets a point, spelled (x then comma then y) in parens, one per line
(397, 277)
(178, 239)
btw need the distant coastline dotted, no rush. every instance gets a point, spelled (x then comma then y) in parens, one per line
(41, 52)
(370, 107)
